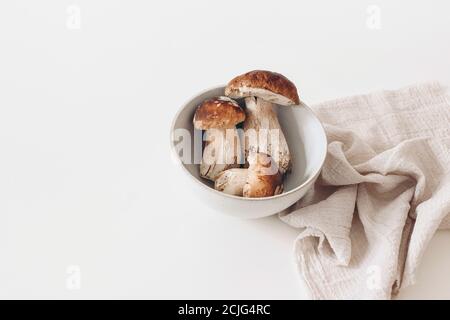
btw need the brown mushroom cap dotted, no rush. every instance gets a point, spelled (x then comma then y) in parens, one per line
(218, 113)
(264, 178)
(267, 85)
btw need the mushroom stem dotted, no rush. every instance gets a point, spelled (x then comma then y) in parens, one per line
(263, 133)
(222, 151)
(231, 181)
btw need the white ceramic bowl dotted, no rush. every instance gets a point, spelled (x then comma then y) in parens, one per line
(307, 144)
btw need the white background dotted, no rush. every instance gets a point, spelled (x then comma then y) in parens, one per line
(86, 177)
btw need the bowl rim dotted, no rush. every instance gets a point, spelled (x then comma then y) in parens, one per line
(284, 194)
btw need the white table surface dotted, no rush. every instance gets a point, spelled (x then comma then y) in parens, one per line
(86, 178)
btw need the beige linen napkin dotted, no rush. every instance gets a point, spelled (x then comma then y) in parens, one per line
(383, 192)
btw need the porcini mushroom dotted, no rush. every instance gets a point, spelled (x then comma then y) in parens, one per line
(231, 181)
(222, 151)
(264, 178)
(261, 89)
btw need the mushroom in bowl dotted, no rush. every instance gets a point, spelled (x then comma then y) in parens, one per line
(218, 117)
(261, 90)
(307, 147)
